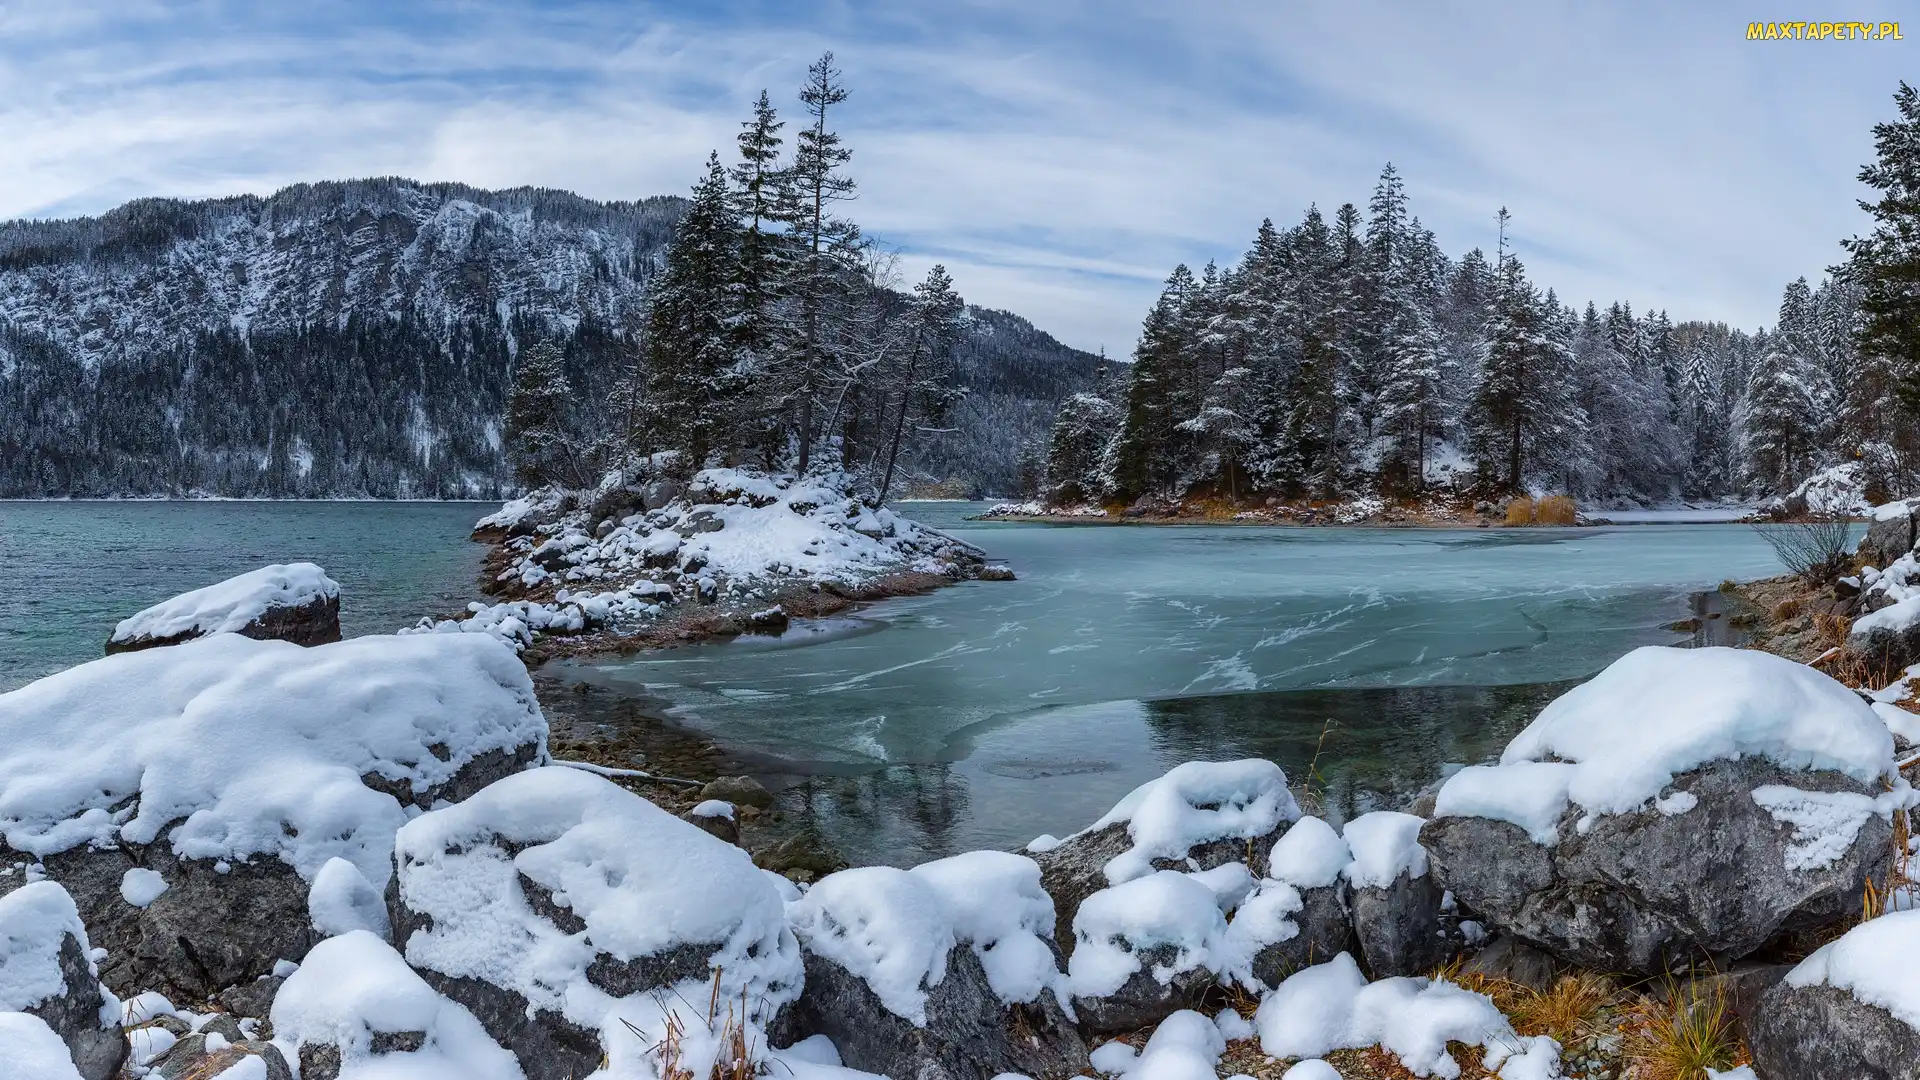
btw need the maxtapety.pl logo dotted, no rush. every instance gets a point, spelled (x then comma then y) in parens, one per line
(1824, 31)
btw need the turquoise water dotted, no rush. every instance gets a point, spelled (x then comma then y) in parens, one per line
(70, 570)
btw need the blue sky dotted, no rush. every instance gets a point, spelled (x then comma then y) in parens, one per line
(1059, 156)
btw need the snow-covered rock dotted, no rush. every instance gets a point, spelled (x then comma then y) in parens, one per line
(1892, 529)
(1332, 1007)
(1851, 1009)
(1185, 1046)
(1310, 859)
(1395, 901)
(942, 971)
(1147, 948)
(1685, 803)
(576, 920)
(1837, 489)
(294, 602)
(29, 1050)
(46, 970)
(1202, 814)
(731, 536)
(234, 769)
(355, 1003)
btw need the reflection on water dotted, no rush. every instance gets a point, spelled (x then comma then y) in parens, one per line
(1056, 770)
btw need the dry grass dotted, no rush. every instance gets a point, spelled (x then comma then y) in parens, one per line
(1566, 1011)
(1555, 510)
(1831, 629)
(1682, 1037)
(1520, 511)
(1877, 896)
(1789, 609)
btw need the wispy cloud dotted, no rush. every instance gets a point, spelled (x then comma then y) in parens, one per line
(1060, 157)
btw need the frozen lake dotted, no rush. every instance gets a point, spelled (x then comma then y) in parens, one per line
(986, 713)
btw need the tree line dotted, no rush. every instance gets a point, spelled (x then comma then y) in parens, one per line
(1353, 357)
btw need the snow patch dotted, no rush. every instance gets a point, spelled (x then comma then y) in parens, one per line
(34, 920)
(1193, 804)
(1115, 925)
(1874, 962)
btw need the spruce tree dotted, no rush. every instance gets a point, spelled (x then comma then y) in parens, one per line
(538, 435)
(827, 246)
(690, 377)
(926, 384)
(1887, 260)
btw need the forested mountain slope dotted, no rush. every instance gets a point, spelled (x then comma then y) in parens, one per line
(356, 339)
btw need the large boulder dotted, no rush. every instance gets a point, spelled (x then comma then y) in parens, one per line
(1851, 1009)
(294, 602)
(188, 797)
(576, 921)
(942, 972)
(1148, 948)
(1892, 529)
(46, 970)
(1200, 815)
(1685, 805)
(356, 1003)
(1396, 902)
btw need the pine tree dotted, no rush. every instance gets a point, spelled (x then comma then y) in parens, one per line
(538, 432)
(926, 384)
(1887, 261)
(690, 384)
(760, 193)
(1142, 448)
(828, 246)
(1780, 415)
(1077, 449)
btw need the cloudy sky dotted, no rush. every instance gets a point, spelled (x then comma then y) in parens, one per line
(1059, 156)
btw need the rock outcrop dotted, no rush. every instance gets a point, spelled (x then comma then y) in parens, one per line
(294, 602)
(1851, 1009)
(46, 971)
(1395, 901)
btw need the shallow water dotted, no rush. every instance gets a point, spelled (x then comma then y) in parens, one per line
(989, 712)
(70, 570)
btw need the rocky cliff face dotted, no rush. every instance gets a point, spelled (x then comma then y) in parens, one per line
(353, 338)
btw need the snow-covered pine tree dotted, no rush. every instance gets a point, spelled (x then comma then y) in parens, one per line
(1781, 419)
(1077, 449)
(1143, 449)
(1887, 260)
(691, 382)
(538, 430)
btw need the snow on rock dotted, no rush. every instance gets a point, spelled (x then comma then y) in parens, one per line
(746, 533)
(1146, 948)
(355, 1009)
(1395, 904)
(885, 926)
(46, 970)
(235, 769)
(1200, 815)
(342, 900)
(915, 972)
(1311, 1069)
(29, 1050)
(294, 602)
(576, 919)
(1850, 1009)
(1835, 490)
(140, 886)
(1719, 796)
(1622, 737)
(995, 905)
(1185, 1046)
(1310, 855)
(1332, 1007)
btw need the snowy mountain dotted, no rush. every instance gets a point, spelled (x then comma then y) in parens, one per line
(354, 338)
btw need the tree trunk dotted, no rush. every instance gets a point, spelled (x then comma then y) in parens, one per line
(900, 422)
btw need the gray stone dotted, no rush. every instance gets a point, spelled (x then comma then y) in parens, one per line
(721, 826)
(1889, 538)
(740, 791)
(74, 1015)
(659, 493)
(969, 1034)
(1804, 1033)
(316, 622)
(1646, 893)
(189, 1059)
(1326, 931)
(254, 999)
(1143, 999)
(321, 1061)
(209, 930)
(1075, 870)
(1514, 961)
(1399, 929)
(224, 1026)
(700, 521)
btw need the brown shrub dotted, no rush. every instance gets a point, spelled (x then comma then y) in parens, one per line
(1555, 510)
(1520, 511)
